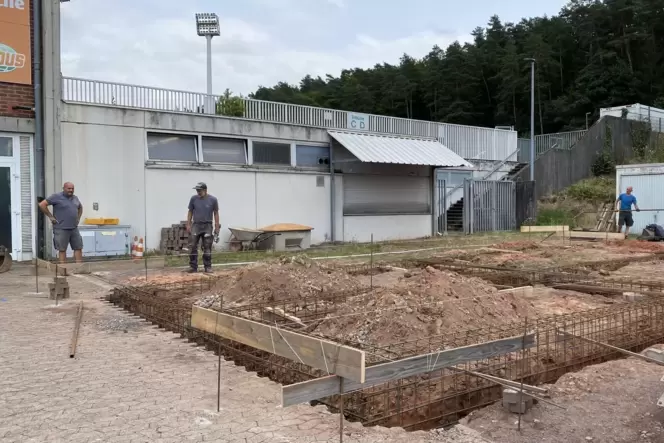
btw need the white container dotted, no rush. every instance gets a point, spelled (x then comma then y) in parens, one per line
(648, 183)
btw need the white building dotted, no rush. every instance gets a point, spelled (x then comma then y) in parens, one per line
(133, 156)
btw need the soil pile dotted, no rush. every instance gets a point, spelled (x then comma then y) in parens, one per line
(420, 304)
(284, 279)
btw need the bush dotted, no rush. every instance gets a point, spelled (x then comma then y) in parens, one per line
(595, 190)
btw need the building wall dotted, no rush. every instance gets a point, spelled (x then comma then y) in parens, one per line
(12, 95)
(18, 124)
(386, 227)
(104, 156)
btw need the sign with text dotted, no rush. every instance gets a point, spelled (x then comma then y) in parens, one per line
(356, 122)
(15, 59)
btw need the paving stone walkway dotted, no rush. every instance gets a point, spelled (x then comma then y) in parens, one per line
(133, 383)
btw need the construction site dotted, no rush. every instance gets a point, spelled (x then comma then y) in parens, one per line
(417, 340)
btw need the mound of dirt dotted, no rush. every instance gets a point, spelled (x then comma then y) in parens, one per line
(421, 304)
(288, 278)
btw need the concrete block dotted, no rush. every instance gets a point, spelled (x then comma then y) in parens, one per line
(519, 409)
(633, 296)
(655, 354)
(510, 396)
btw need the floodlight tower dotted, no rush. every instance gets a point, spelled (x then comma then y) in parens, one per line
(207, 25)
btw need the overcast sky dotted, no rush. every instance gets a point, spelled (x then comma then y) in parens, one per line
(154, 42)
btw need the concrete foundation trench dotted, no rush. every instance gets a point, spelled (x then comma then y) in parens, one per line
(441, 396)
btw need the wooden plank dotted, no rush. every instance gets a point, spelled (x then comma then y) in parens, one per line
(596, 235)
(328, 356)
(523, 291)
(559, 228)
(375, 375)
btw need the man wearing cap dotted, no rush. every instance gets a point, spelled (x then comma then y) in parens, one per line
(202, 207)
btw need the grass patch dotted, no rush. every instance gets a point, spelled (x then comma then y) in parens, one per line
(350, 249)
(577, 205)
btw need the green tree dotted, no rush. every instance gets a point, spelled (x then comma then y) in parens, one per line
(230, 105)
(593, 54)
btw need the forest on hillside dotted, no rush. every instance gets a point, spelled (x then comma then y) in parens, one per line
(593, 54)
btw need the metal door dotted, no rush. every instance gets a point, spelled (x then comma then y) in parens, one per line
(489, 205)
(649, 197)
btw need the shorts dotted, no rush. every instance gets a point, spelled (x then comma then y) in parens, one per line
(67, 237)
(625, 218)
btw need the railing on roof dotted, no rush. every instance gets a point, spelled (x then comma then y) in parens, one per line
(470, 142)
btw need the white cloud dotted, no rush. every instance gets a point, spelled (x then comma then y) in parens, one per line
(133, 46)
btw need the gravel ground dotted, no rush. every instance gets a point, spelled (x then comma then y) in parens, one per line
(613, 402)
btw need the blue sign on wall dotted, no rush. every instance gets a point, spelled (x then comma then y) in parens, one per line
(358, 122)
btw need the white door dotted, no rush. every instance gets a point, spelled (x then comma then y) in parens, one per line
(10, 201)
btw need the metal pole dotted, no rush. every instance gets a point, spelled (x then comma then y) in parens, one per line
(341, 409)
(210, 102)
(532, 119)
(371, 265)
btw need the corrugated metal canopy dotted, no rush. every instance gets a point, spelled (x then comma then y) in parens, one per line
(372, 148)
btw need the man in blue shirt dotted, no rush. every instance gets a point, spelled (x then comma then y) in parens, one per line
(67, 211)
(625, 202)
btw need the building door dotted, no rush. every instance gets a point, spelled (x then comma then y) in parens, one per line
(6, 207)
(10, 211)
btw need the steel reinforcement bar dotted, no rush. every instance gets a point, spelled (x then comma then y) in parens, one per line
(443, 396)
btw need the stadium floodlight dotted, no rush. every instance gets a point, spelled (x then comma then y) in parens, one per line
(207, 25)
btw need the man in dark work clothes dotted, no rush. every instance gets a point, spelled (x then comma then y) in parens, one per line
(202, 208)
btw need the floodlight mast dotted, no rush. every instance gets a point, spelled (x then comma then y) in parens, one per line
(207, 25)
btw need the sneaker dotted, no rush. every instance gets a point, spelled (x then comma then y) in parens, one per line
(191, 271)
(208, 270)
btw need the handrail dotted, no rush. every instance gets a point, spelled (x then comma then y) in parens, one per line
(498, 166)
(469, 142)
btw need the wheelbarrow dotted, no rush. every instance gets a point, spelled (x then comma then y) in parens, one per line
(5, 259)
(244, 239)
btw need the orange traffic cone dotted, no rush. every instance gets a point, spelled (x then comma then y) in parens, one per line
(140, 249)
(134, 246)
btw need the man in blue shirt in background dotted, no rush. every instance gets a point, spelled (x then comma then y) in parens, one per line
(626, 201)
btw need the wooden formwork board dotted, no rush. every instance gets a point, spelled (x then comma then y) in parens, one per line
(375, 375)
(593, 235)
(559, 228)
(321, 354)
(102, 265)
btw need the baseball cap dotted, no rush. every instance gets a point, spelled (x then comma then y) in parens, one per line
(200, 185)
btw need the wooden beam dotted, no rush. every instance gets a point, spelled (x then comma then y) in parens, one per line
(559, 228)
(328, 356)
(523, 291)
(595, 235)
(375, 375)
(52, 267)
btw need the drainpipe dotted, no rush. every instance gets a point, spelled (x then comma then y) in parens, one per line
(40, 188)
(333, 197)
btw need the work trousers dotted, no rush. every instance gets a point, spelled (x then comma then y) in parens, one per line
(200, 232)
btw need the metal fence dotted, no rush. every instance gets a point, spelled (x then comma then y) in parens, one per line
(489, 205)
(608, 142)
(467, 141)
(545, 142)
